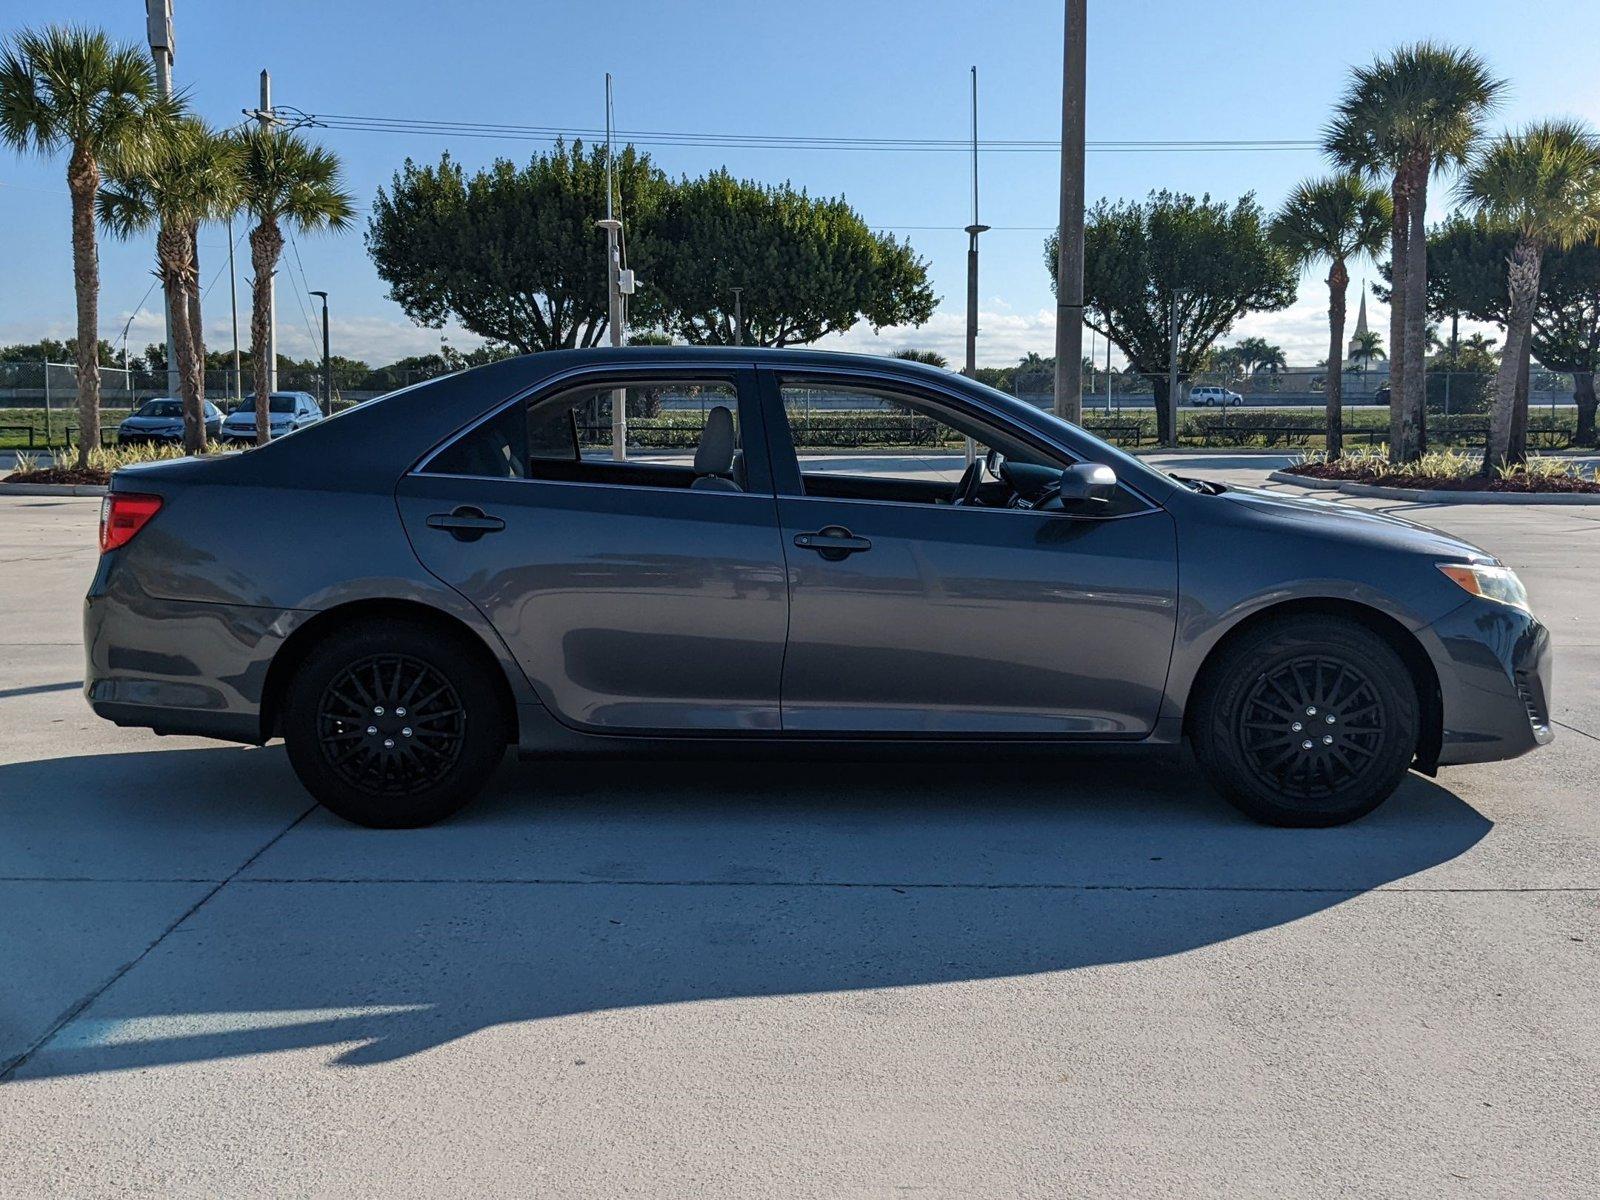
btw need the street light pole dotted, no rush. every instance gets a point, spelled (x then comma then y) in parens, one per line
(973, 230)
(327, 362)
(614, 317)
(158, 24)
(738, 316)
(1069, 250)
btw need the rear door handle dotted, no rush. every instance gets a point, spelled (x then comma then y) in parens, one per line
(466, 523)
(834, 542)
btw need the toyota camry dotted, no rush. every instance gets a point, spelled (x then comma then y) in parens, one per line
(620, 550)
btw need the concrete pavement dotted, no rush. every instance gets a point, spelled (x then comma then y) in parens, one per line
(796, 979)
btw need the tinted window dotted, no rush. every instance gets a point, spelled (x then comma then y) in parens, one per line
(568, 436)
(161, 408)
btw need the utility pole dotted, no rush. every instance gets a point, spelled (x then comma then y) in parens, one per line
(973, 230)
(738, 316)
(158, 23)
(1069, 249)
(1174, 390)
(265, 116)
(614, 318)
(327, 362)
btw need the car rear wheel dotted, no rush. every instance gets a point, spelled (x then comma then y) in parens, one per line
(394, 723)
(1307, 721)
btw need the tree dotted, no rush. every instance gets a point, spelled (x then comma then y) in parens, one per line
(1337, 218)
(189, 177)
(1405, 117)
(71, 88)
(806, 267)
(1467, 268)
(50, 350)
(1253, 355)
(1213, 261)
(513, 254)
(282, 180)
(1366, 347)
(932, 357)
(1544, 184)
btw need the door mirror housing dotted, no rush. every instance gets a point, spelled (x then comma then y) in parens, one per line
(1088, 482)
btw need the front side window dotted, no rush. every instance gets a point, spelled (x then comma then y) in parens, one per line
(867, 442)
(679, 433)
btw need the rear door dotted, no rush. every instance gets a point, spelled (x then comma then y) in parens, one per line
(634, 600)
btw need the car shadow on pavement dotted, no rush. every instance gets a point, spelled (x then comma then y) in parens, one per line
(580, 887)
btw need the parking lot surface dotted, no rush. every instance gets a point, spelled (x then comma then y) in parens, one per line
(791, 978)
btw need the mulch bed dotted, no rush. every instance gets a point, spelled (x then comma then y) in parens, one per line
(1472, 483)
(72, 475)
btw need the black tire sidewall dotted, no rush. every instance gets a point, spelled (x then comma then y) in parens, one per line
(1215, 734)
(448, 653)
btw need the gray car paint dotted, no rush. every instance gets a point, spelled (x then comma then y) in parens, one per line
(184, 624)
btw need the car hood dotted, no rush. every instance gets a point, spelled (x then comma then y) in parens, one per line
(1329, 518)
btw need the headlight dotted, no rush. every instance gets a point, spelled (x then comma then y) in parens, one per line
(1492, 583)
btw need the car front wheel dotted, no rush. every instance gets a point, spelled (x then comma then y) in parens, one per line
(1306, 721)
(393, 723)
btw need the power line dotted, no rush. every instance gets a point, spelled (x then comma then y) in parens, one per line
(666, 138)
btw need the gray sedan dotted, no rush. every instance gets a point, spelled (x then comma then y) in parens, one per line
(617, 551)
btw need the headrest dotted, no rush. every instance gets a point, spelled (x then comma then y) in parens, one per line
(714, 454)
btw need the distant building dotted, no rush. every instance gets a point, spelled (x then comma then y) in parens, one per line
(1361, 326)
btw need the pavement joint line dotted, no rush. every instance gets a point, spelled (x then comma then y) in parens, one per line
(8, 1070)
(1576, 730)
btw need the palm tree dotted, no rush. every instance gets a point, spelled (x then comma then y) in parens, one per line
(190, 177)
(282, 179)
(1367, 346)
(71, 88)
(1337, 218)
(1405, 117)
(1543, 183)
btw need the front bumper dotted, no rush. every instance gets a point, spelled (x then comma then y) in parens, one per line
(1494, 668)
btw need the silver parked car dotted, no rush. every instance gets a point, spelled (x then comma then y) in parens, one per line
(161, 420)
(286, 412)
(490, 559)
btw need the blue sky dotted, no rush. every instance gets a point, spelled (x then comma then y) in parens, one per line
(1231, 69)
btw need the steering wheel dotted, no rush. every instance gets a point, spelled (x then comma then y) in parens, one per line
(967, 487)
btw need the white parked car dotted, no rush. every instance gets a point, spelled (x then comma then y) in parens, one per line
(1215, 397)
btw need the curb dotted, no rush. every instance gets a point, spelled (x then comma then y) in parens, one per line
(51, 489)
(1429, 496)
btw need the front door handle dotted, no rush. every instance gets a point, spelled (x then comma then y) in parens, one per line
(834, 542)
(466, 523)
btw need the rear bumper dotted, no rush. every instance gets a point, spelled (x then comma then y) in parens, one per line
(1494, 668)
(179, 666)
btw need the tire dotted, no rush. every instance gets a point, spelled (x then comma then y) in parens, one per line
(400, 767)
(1322, 680)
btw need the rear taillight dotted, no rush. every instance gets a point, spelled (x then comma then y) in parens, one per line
(123, 514)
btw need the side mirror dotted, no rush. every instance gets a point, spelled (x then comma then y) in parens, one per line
(1084, 482)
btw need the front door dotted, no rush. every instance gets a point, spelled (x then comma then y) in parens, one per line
(641, 593)
(911, 613)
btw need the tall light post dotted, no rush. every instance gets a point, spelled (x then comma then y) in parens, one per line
(327, 362)
(973, 230)
(1069, 250)
(738, 316)
(614, 282)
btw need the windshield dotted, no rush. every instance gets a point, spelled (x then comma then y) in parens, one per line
(275, 404)
(160, 408)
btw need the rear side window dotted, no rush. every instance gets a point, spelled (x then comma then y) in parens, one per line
(569, 436)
